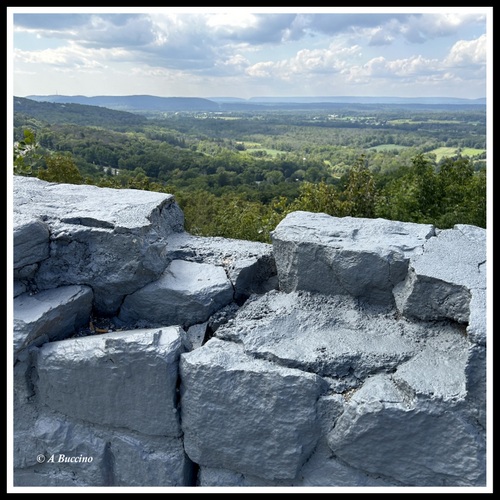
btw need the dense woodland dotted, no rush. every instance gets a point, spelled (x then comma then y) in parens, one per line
(237, 174)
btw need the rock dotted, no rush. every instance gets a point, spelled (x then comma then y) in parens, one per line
(47, 448)
(196, 335)
(110, 239)
(443, 278)
(248, 264)
(151, 461)
(187, 293)
(50, 315)
(438, 370)
(253, 417)
(387, 433)
(362, 258)
(321, 470)
(330, 336)
(100, 456)
(31, 240)
(477, 384)
(350, 352)
(124, 380)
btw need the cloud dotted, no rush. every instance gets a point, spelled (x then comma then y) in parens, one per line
(468, 52)
(433, 26)
(414, 28)
(458, 66)
(306, 50)
(307, 62)
(253, 28)
(49, 23)
(204, 39)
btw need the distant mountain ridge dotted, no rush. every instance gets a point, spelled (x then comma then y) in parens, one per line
(81, 114)
(134, 102)
(371, 100)
(138, 103)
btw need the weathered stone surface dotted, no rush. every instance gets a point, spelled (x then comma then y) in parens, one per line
(50, 315)
(443, 278)
(331, 336)
(248, 264)
(324, 469)
(110, 239)
(477, 327)
(19, 288)
(23, 278)
(252, 416)
(195, 336)
(321, 470)
(187, 293)
(101, 456)
(477, 383)
(125, 379)
(438, 371)
(363, 258)
(387, 432)
(43, 449)
(140, 460)
(31, 240)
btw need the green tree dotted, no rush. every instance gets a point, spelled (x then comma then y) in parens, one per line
(26, 155)
(320, 197)
(414, 195)
(463, 193)
(360, 193)
(61, 168)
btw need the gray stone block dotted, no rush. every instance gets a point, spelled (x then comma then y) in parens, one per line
(50, 315)
(110, 239)
(247, 415)
(330, 336)
(125, 379)
(384, 431)
(363, 258)
(31, 240)
(187, 293)
(248, 264)
(443, 278)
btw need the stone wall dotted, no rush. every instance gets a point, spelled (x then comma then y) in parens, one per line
(349, 352)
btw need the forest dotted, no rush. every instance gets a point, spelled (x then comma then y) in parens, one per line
(237, 173)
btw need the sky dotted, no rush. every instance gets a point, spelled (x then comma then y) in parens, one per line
(251, 52)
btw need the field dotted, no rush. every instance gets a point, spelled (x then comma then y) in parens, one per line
(388, 147)
(445, 152)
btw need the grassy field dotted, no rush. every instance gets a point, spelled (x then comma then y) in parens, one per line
(387, 147)
(445, 152)
(255, 146)
(442, 152)
(472, 151)
(409, 120)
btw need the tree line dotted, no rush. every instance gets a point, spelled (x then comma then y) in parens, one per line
(453, 192)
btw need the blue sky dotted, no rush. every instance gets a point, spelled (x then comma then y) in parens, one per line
(250, 52)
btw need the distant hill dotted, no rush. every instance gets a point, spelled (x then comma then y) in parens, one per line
(78, 114)
(147, 104)
(135, 102)
(368, 100)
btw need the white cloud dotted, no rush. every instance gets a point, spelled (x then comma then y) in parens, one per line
(69, 57)
(308, 62)
(446, 24)
(231, 21)
(467, 52)
(305, 51)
